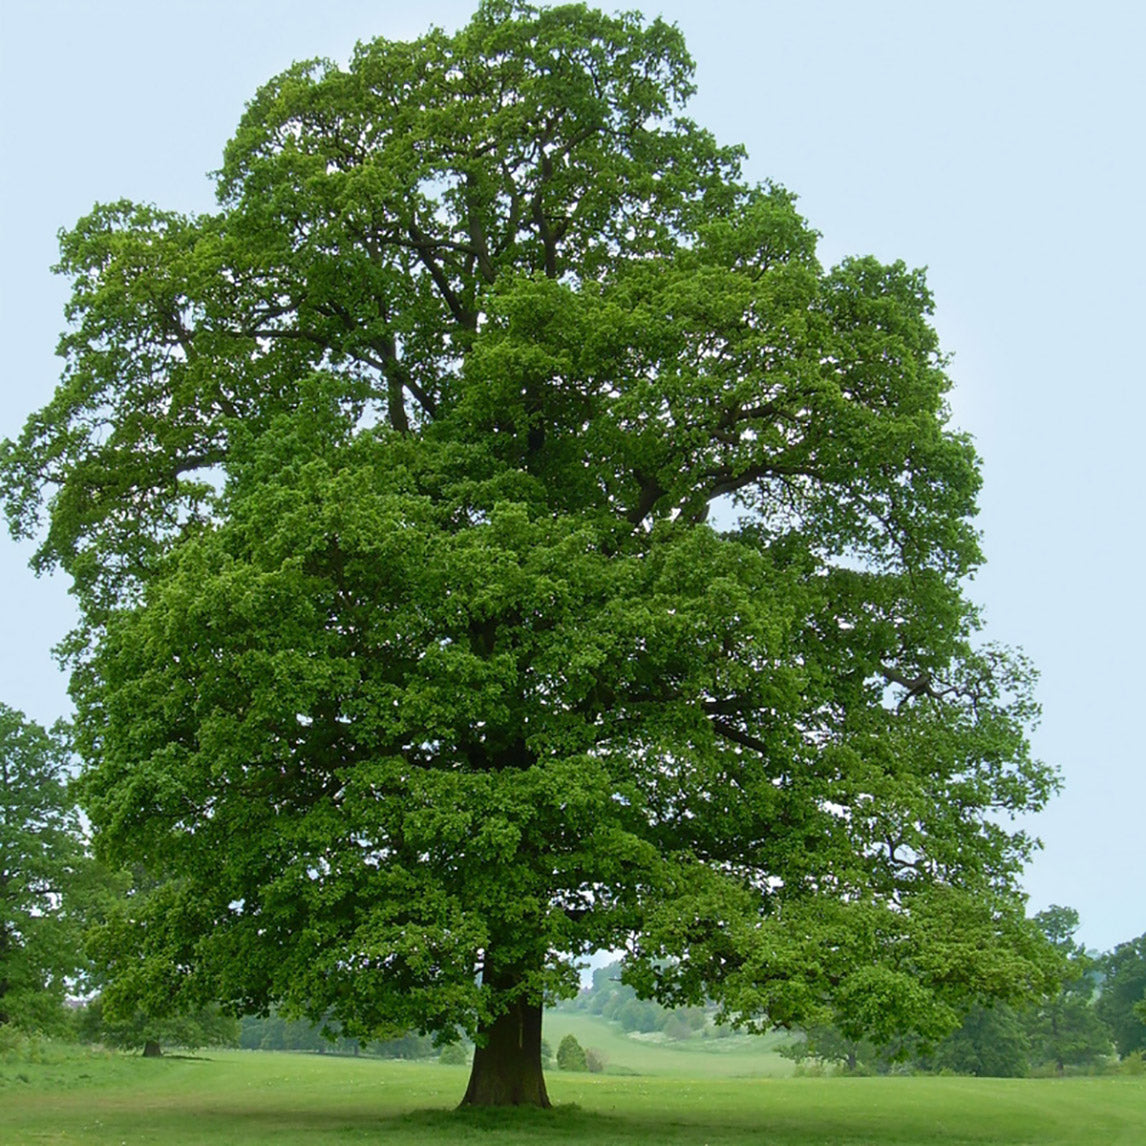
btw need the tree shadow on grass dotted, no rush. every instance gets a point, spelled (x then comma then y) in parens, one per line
(563, 1123)
(505, 1126)
(561, 1120)
(362, 1121)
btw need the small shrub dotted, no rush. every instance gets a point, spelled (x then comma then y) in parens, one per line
(642, 1017)
(595, 1060)
(12, 1043)
(454, 1055)
(571, 1055)
(20, 1046)
(677, 1027)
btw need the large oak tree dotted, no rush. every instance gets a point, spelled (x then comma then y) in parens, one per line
(500, 539)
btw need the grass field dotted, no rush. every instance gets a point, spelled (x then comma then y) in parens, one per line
(237, 1097)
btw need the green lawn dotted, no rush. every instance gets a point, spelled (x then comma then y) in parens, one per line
(238, 1098)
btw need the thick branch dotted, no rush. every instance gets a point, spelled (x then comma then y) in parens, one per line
(423, 246)
(651, 493)
(922, 684)
(744, 739)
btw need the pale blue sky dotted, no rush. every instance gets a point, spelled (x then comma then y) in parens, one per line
(1001, 145)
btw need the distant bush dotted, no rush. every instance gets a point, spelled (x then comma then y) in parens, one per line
(813, 1068)
(677, 1026)
(17, 1045)
(408, 1046)
(571, 1055)
(454, 1055)
(718, 1031)
(1133, 1063)
(595, 1060)
(640, 1016)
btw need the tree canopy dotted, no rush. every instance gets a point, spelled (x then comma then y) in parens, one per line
(1122, 1003)
(1066, 1028)
(43, 872)
(499, 539)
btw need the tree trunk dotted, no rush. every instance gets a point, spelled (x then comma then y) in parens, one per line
(507, 1068)
(151, 1049)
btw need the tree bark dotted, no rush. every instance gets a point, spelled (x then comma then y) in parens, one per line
(151, 1049)
(507, 1062)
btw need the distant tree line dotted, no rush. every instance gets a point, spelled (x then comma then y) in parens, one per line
(273, 1032)
(1095, 1020)
(618, 1002)
(210, 1026)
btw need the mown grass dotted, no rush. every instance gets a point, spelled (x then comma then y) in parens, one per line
(258, 1098)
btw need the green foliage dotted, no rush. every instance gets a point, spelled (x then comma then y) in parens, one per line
(1122, 1003)
(571, 1055)
(1060, 1029)
(500, 539)
(47, 880)
(676, 1025)
(638, 1016)
(274, 1032)
(718, 1053)
(1070, 1032)
(454, 1055)
(616, 1001)
(408, 1046)
(819, 1045)
(1065, 1028)
(992, 1042)
(142, 1000)
(205, 1027)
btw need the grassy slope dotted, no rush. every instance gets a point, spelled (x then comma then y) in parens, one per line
(735, 1056)
(251, 1098)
